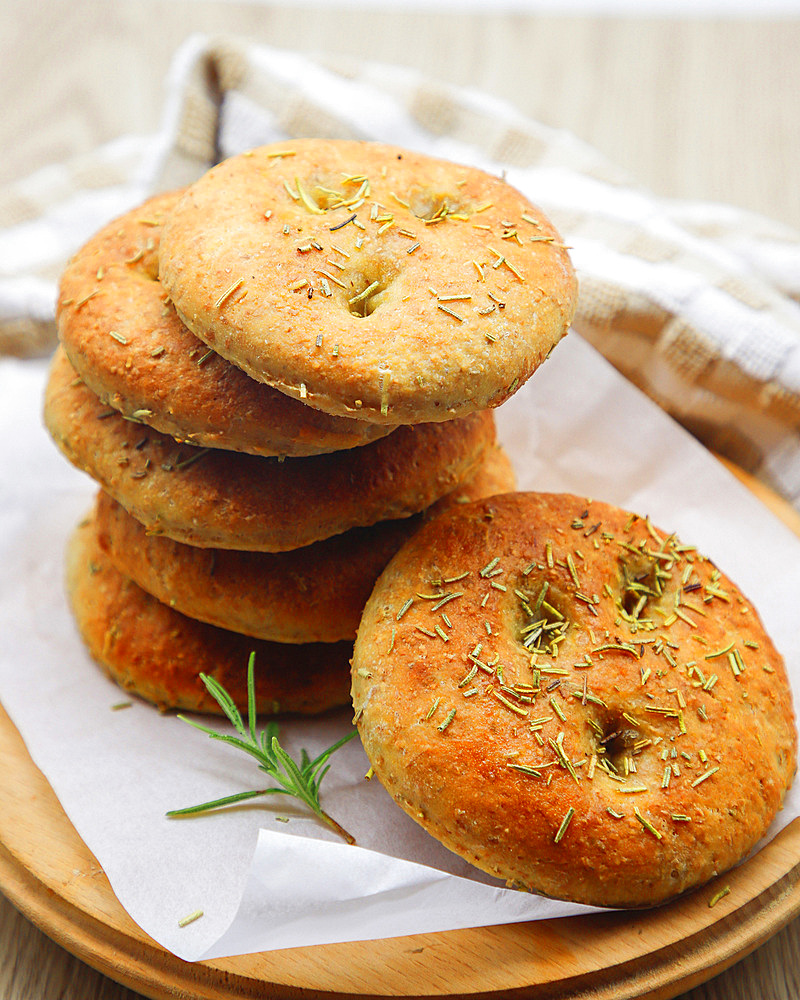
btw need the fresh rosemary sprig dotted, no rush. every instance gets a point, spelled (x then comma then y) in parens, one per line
(301, 780)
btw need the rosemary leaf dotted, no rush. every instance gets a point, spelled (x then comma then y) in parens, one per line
(226, 800)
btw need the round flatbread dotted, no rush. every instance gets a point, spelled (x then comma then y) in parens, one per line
(223, 499)
(159, 654)
(313, 594)
(124, 339)
(604, 721)
(368, 280)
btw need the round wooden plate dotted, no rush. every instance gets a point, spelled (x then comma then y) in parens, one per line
(50, 875)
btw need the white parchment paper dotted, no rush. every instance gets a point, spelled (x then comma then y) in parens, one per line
(266, 875)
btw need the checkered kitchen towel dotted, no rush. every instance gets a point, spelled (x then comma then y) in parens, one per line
(698, 304)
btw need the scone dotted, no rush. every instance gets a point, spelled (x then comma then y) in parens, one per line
(368, 280)
(573, 700)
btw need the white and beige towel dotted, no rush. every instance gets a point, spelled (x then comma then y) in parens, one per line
(698, 304)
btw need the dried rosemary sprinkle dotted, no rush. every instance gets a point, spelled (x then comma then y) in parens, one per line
(331, 277)
(487, 569)
(558, 749)
(719, 652)
(446, 599)
(718, 896)
(513, 270)
(448, 719)
(85, 299)
(706, 774)
(510, 705)
(449, 312)
(525, 769)
(186, 462)
(564, 824)
(480, 664)
(647, 824)
(305, 198)
(468, 676)
(625, 647)
(228, 292)
(362, 296)
(341, 225)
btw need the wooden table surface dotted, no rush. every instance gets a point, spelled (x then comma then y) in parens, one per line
(691, 108)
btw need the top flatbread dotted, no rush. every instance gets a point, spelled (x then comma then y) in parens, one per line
(367, 280)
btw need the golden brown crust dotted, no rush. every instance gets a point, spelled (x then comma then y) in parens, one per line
(313, 594)
(124, 338)
(158, 654)
(223, 499)
(369, 280)
(649, 754)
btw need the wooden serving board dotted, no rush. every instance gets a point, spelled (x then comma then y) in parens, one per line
(50, 875)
